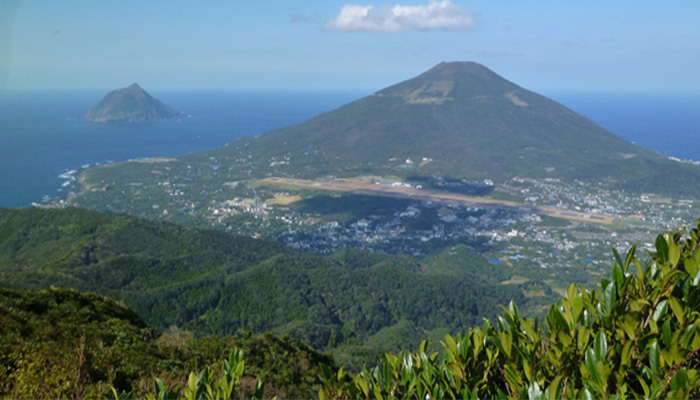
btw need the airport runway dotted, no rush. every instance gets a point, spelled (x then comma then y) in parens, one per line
(369, 189)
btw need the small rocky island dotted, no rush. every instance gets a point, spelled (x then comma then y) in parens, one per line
(131, 104)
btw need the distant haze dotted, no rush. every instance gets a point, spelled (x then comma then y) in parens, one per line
(596, 45)
(8, 8)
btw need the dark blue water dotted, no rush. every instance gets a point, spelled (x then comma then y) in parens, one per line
(667, 123)
(42, 136)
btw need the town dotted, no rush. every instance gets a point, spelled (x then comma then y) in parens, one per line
(535, 246)
(546, 229)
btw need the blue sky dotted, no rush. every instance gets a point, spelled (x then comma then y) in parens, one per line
(633, 46)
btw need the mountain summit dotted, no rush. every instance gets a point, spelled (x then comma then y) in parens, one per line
(462, 120)
(450, 81)
(130, 104)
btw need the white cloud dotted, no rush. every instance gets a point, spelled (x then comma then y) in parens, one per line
(434, 15)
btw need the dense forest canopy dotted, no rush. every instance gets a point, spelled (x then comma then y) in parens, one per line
(355, 303)
(635, 335)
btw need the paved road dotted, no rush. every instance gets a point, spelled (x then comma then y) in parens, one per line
(439, 197)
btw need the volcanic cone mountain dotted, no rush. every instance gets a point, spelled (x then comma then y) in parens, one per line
(462, 120)
(130, 104)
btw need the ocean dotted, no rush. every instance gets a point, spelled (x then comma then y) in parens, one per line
(42, 137)
(668, 123)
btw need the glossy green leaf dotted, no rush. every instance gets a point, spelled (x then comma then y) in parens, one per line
(626, 352)
(666, 332)
(642, 382)
(571, 291)
(677, 309)
(618, 260)
(617, 275)
(424, 345)
(582, 337)
(656, 389)
(654, 357)
(691, 265)
(629, 324)
(604, 372)
(694, 258)
(640, 270)
(591, 362)
(552, 391)
(602, 314)
(513, 377)
(527, 327)
(660, 310)
(680, 380)
(450, 344)
(630, 257)
(661, 249)
(674, 251)
(653, 327)
(527, 370)
(513, 310)
(601, 345)
(556, 319)
(506, 341)
(610, 296)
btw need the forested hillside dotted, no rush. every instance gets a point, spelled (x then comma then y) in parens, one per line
(360, 304)
(636, 335)
(60, 343)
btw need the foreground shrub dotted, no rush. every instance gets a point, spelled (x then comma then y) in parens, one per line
(636, 336)
(218, 381)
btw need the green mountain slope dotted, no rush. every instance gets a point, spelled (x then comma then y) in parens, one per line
(212, 282)
(462, 120)
(130, 104)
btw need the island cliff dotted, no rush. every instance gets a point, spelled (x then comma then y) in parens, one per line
(130, 104)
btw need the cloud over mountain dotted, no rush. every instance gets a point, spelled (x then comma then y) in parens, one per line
(435, 15)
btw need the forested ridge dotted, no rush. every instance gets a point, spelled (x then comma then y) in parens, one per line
(636, 335)
(60, 343)
(356, 303)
